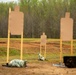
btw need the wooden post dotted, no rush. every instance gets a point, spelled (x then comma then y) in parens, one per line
(40, 48)
(21, 46)
(45, 52)
(8, 42)
(60, 50)
(71, 47)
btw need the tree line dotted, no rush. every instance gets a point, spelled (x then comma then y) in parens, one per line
(39, 16)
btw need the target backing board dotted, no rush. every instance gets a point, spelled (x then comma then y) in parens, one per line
(43, 39)
(66, 28)
(16, 21)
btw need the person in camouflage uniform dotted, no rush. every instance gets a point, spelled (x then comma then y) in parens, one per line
(17, 63)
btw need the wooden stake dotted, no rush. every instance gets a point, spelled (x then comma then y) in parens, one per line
(8, 42)
(60, 50)
(40, 48)
(45, 52)
(71, 47)
(21, 46)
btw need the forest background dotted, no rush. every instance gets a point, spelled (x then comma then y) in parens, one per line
(39, 16)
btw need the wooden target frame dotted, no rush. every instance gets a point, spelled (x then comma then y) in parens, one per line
(66, 32)
(12, 24)
(43, 43)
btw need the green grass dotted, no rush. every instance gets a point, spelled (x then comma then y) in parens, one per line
(31, 57)
(13, 51)
(30, 39)
(2, 51)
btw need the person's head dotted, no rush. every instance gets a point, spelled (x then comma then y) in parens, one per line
(43, 33)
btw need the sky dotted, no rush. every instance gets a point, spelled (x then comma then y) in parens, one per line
(8, 0)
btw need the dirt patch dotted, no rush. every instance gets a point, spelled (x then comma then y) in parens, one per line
(17, 44)
(41, 68)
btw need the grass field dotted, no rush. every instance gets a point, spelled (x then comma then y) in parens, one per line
(31, 48)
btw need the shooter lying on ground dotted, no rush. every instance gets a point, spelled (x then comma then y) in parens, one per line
(17, 63)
